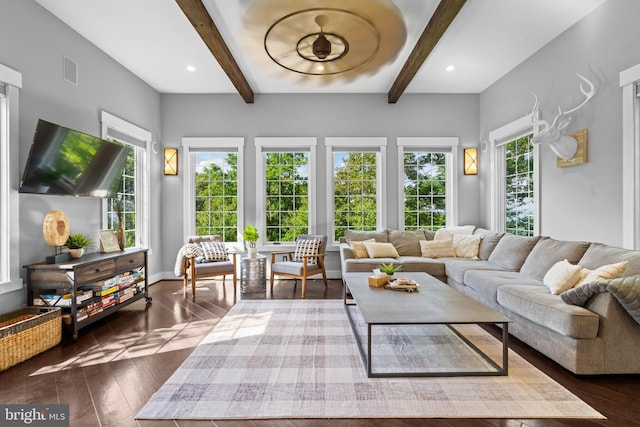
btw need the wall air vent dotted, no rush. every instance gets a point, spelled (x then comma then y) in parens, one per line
(70, 71)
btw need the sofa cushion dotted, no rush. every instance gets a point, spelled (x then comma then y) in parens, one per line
(365, 265)
(378, 235)
(511, 251)
(455, 268)
(488, 243)
(448, 232)
(538, 305)
(599, 254)
(487, 282)
(381, 250)
(562, 276)
(412, 264)
(406, 242)
(437, 248)
(548, 252)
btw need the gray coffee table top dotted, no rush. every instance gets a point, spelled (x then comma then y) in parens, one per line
(434, 303)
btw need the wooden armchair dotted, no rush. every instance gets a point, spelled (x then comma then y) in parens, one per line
(203, 260)
(306, 260)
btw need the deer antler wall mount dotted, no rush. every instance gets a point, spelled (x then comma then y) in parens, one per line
(564, 146)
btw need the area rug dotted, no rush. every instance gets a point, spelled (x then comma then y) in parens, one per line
(271, 359)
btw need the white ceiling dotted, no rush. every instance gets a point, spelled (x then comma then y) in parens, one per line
(154, 39)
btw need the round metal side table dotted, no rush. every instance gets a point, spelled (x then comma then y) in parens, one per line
(253, 274)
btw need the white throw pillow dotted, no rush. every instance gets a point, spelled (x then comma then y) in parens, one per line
(214, 251)
(437, 248)
(467, 245)
(448, 232)
(562, 276)
(606, 272)
(307, 247)
(381, 250)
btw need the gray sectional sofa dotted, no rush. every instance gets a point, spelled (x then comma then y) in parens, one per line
(600, 337)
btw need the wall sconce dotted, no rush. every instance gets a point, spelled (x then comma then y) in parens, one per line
(171, 161)
(471, 161)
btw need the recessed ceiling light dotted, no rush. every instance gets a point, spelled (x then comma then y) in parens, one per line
(191, 68)
(450, 68)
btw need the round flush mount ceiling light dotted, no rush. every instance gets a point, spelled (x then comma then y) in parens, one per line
(327, 38)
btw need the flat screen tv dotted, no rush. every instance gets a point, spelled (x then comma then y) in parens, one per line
(64, 161)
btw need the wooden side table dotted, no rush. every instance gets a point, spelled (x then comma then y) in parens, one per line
(253, 274)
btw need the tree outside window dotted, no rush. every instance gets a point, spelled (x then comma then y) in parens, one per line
(216, 195)
(127, 196)
(519, 192)
(354, 192)
(287, 195)
(425, 191)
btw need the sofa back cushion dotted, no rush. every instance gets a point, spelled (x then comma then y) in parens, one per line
(599, 254)
(548, 252)
(488, 243)
(511, 251)
(407, 243)
(358, 236)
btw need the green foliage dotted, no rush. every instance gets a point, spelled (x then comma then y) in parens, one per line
(519, 186)
(389, 269)
(78, 241)
(424, 191)
(250, 234)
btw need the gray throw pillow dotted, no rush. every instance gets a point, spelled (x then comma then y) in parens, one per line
(358, 236)
(549, 251)
(512, 250)
(407, 243)
(488, 243)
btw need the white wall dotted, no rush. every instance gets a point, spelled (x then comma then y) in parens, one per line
(34, 42)
(581, 202)
(320, 116)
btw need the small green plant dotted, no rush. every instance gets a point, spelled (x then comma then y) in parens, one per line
(389, 269)
(250, 235)
(78, 241)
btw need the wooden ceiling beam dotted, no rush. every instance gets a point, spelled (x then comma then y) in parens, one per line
(445, 13)
(199, 17)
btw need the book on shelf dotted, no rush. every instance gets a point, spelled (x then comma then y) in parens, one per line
(61, 300)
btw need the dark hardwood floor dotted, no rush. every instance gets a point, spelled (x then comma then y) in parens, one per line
(108, 374)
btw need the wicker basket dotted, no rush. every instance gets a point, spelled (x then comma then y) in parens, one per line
(27, 332)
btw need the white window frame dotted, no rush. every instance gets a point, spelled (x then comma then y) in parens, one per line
(497, 139)
(290, 144)
(194, 144)
(375, 143)
(142, 188)
(9, 199)
(629, 80)
(447, 145)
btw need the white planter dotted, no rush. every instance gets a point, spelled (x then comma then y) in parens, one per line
(253, 252)
(76, 253)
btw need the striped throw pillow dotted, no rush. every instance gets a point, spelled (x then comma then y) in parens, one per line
(306, 247)
(214, 251)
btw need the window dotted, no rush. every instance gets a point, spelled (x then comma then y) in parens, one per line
(134, 186)
(630, 84)
(519, 200)
(10, 84)
(515, 188)
(213, 187)
(286, 187)
(428, 182)
(216, 194)
(357, 189)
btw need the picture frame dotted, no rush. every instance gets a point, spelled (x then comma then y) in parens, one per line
(108, 241)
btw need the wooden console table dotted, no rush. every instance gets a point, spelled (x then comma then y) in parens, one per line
(95, 286)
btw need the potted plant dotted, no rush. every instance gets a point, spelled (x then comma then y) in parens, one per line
(389, 269)
(76, 242)
(250, 236)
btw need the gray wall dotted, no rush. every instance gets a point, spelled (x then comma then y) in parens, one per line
(581, 202)
(33, 42)
(320, 116)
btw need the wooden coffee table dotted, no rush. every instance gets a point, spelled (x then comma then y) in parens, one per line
(435, 303)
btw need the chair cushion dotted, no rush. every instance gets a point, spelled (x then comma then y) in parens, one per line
(206, 268)
(293, 268)
(306, 247)
(214, 251)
